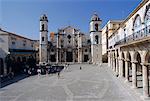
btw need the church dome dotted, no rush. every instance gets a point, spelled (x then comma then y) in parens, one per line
(43, 18)
(95, 17)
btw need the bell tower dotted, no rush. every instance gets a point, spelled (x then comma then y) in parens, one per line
(43, 39)
(96, 37)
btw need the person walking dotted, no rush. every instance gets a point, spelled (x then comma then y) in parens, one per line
(58, 74)
(80, 67)
(39, 71)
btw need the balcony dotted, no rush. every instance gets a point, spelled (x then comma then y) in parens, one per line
(137, 36)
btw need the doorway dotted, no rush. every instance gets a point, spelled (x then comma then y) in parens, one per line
(69, 57)
(86, 58)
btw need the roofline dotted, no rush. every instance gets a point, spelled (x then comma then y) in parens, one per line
(142, 3)
(63, 28)
(112, 21)
(17, 35)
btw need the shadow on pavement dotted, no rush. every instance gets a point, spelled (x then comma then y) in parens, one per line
(6, 81)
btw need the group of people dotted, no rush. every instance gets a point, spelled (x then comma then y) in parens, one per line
(17, 66)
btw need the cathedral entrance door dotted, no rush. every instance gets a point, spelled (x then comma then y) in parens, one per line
(53, 58)
(86, 58)
(69, 57)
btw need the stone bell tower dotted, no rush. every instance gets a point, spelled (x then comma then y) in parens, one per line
(43, 39)
(96, 37)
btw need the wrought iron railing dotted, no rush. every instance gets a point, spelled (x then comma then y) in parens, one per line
(143, 33)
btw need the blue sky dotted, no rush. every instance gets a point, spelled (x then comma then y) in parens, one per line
(22, 16)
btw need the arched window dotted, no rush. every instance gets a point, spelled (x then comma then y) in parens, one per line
(147, 14)
(137, 22)
(69, 36)
(42, 27)
(88, 41)
(96, 27)
(96, 39)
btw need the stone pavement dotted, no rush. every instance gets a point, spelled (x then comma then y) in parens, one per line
(92, 83)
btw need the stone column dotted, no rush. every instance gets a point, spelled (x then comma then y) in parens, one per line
(114, 67)
(112, 62)
(108, 59)
(145, 81)
(126, 71)
(117, 71)
(60, 55)
(134, 74)
(65, 56)
(57, 57)
(79, 55)
(73, 56)
(57, 54)
(120, 67)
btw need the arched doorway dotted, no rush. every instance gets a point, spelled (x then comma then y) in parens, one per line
(123, 64)
(129, 67)
(53, 58)
(146, 76)
(69, 55)
(138, 69)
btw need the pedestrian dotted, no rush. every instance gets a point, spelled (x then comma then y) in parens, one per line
(58, 74)
(39, 71)
(117, 75)
(80, 67)
(66, 66)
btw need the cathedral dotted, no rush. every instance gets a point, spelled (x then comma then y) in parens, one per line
(70, 44)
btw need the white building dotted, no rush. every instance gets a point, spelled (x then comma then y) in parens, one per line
(16, 46)
(107, 31)
(129, 49)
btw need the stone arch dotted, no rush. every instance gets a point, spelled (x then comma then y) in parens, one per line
(138, 59)
(147, 57)
(129, 66)
(128, 55)
(146, 71)
(135, 55)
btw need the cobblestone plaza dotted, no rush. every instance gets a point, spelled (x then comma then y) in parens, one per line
(92, 83)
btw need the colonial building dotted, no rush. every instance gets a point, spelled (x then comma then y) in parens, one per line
(16, 46)
(107, 31)
(129, 48)
(69, 44)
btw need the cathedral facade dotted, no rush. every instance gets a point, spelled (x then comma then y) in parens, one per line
(70, 44)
